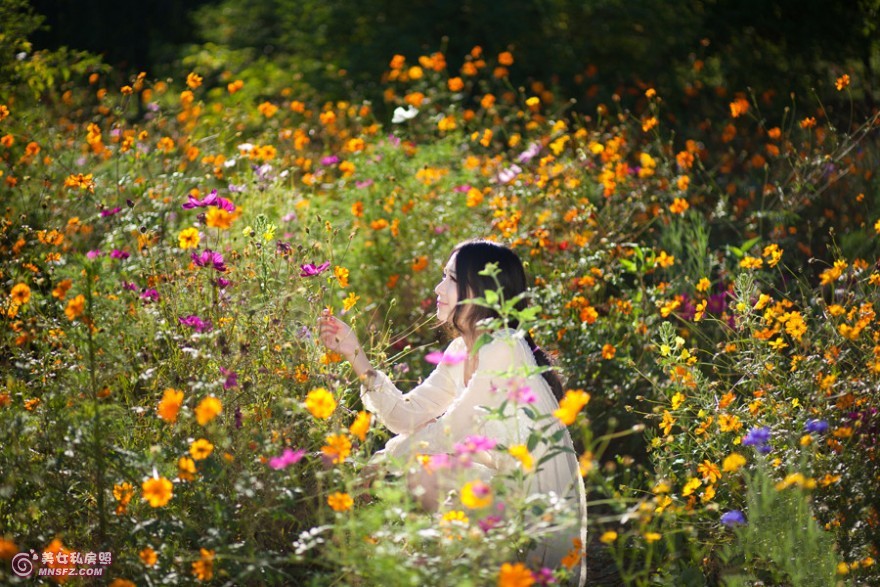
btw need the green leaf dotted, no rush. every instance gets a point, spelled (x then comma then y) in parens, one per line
(484, 339)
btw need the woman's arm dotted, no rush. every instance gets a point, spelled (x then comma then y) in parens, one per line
(487, 388)
(399, 412)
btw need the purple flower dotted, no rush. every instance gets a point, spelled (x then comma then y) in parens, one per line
(543, 577)
(289, 217)
(94, 254)
(473, 444)
(309, 269)
(446, 358)
(287, 458)
(118, 254)
(105, 213)
(330, 160)
(490, 523)
(209, 258)
(816, 426)
(463, 189)
(236, 189)
(196, 323)
(363, 184)
(529, 153)
(231, 378)
(759, 437)
(150, 295)
(211, 199)
(222, 282)
(129, 286)
(733, 518)
(509, 174)
(238, 418)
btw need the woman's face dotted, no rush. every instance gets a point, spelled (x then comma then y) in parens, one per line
(447, 292)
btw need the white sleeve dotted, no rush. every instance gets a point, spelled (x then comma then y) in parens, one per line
(403, 413)
(486, 389)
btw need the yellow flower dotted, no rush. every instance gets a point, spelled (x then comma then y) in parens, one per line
(189, 238)
(709, 471)
(170, 404)
(842, 82)
(340, 502)
(704, 284)
(361, 425)
(341, 274)
(665, 260)
(733, 462)
(157, 491)
(515, 575)
(690, 486)
(608, 537)
(455, 516)
(219, 218)
(186, 469)
(521, 453)
(148, 556)
(349, 302)
(75, 307)
(20, 294)
(320, 403)
(652, 537)
(476, 495)
(338, 448)
(208, 409)
(570, 405)
(201, 449)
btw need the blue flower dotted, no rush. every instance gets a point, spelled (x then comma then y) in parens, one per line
(816, 426)
(759, 437)
(733, 518)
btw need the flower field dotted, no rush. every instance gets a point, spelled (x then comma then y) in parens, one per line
(708, 291)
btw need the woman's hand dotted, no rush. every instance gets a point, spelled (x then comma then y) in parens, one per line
(339, 337)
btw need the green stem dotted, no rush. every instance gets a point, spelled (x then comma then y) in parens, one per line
(97, 426)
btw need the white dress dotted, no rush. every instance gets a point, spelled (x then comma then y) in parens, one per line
(443, 411)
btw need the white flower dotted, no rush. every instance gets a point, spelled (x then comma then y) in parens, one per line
(402, 114)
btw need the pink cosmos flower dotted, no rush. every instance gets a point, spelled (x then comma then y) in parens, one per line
(309, 269)
(209, 258)
(287, 458)
(473, 444)
(105, 213)
(196, 323)
(520, 393)
(211, 199)
(447, 358)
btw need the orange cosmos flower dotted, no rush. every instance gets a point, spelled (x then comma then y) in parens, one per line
(340, 502)
(193, 80)
(338, 448)
(158, 491)
(208, 409)
(170, 404)
(75, 307)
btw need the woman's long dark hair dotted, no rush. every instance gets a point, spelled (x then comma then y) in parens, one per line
(471, 258)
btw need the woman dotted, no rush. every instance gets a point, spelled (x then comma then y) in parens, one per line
(456, 399)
